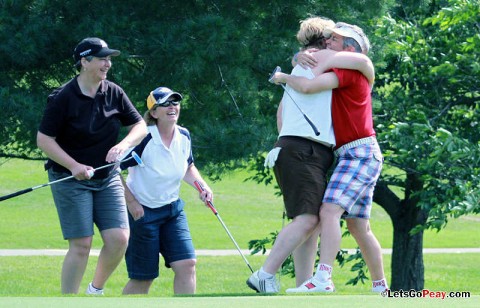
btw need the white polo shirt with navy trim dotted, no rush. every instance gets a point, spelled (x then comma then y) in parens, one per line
(158, 182)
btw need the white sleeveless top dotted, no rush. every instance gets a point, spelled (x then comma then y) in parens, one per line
(316, 106)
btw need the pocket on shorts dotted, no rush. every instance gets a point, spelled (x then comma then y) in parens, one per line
(360, 152)
(378, 155)
(366, 151)
(306, 153)
(56, 175)
(140, 220)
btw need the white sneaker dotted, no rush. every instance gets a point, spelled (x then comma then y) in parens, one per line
(313, 285)
(91, 290)
(269, 285)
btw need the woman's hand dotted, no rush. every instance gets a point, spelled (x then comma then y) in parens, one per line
(206, 195)
(82, 172)
(279, 78)
(135, 209)
(305, 58)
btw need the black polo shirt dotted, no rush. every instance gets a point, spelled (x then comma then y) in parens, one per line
(85, 127)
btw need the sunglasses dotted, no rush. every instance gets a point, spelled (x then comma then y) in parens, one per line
(168, 103)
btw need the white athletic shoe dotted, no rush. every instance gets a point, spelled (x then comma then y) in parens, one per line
(91, 290)
(313, 285)
(269, 285)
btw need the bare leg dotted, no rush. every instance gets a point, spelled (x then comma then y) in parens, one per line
(331, 233)
(114, 246)
(135, 286)
(75, 263)
(304, 257)
(369, 246)
(185, 281)
(294, 234)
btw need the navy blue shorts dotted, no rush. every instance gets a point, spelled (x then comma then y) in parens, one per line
(162, 231)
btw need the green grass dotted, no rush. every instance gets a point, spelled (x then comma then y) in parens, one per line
(249, 210)
(226, 275)
(239, 302)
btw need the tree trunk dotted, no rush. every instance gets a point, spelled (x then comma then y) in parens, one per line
(407, 250)
(407, 254)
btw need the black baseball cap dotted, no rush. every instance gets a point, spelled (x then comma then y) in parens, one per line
(93, 46)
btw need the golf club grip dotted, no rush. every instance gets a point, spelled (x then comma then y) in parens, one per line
(315, 130)
(214, 210)
(209, 203)
(18, 193)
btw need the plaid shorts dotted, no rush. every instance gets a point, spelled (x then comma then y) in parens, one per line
(353, 181)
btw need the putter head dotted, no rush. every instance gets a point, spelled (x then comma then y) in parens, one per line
(137, 159)
(276, 70)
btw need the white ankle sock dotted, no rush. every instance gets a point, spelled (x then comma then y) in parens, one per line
(93, 288)
(379, 285)
(264, 275)
(324, 272)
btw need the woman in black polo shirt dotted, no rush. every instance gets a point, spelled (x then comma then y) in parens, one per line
(78, 133)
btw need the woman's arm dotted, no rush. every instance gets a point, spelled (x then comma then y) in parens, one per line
(191, 176)
(328, 59)
(133, 206)
(279, 116)
(323, 82)
(53, 150)
(136, 133)
(305, 58)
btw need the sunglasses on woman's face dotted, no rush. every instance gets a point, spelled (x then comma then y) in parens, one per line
(168, 103)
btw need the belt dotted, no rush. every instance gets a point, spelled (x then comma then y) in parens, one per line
(356, 143)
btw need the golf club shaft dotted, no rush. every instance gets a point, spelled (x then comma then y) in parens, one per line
(214, 210)
(315, 130)
(27, 190)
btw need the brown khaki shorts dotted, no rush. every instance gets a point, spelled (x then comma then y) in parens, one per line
(301, 172)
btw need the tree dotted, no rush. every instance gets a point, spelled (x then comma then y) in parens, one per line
(428, 117)
(217, 53)
(427, 112)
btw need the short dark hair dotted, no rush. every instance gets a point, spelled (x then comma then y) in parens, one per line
(78, 65)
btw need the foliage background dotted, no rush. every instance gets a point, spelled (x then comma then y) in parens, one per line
(219, 55)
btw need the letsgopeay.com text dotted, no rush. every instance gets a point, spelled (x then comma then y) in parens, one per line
(425, 294)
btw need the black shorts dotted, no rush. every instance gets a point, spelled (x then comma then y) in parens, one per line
(301, 172)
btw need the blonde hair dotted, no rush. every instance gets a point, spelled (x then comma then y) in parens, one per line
(311, 31)
(149, 119)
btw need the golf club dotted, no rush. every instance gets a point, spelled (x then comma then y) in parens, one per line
(214, 210)
(315, 130)
(90, 172)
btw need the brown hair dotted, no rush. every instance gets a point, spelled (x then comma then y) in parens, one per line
(148, 118)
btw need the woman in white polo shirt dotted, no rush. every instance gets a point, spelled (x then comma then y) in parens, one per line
(157, 220)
